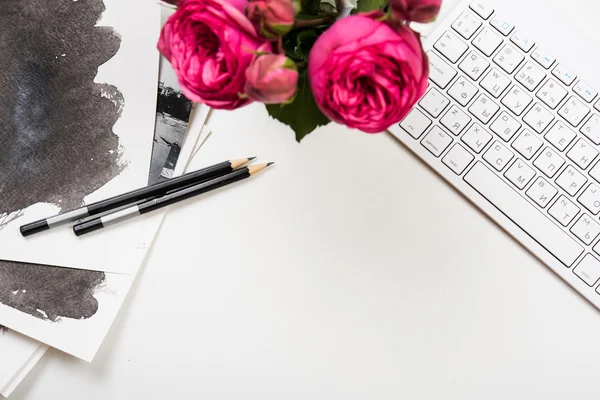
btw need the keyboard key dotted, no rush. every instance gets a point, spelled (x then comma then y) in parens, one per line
(574, 111)
(551, 93)
(476, 138)
(522, 41)
(564, 74)
(591, 129)
(505, 126)
(527, 144)
(458, 159)
(474, 65)
(597, 105)
(549, 162)
(440, 72)
(498, 156)
(544, 59)
(596, 249)
(495, 83)
(455, 120)
(415, 123)
(538, 118)
(483, 10)
(519, 174)
(466, 24)
(530, 76)
(436, 141)
(509, 59)
(586, 229)
(582, 154)
(451, 46)
(588, 270)
(516, 100)
(487, 41)
(541, 192)
(585, 91)
(463, 91)
(523, 214)
(483, 108)
(560, 136)
(563, 210)
(595, 172)
(590, 198)
(571, 180)
(502, 25)
(434, 102)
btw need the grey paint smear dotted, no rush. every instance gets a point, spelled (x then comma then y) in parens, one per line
(56, 139)
(49, 292)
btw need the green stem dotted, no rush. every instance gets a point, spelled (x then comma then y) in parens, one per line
(339, 7)
(305, 23)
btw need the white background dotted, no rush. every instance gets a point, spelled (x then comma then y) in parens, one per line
(348, 271)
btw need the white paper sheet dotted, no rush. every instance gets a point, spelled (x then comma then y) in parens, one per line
(82, 338)
(18, 355)
(133, 71)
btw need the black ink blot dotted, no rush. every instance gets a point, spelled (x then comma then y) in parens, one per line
(49, 292)
(56, 139)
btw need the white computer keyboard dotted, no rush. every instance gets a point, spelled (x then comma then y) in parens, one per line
(517, 132)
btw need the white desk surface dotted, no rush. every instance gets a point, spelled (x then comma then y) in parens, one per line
(381, 284)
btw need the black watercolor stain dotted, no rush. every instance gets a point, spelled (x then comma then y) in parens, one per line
(49, 292)
(57, 143)
(56, 139)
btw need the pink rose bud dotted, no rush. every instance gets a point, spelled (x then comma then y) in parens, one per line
(272, 18)
(271, 79)
(366, 73)
(416, 10)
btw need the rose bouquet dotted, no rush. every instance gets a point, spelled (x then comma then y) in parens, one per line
(302, 59)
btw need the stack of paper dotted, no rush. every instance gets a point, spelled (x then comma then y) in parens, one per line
(77, 127)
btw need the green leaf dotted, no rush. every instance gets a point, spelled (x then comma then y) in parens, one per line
(310, 7)
(327, 8)
(304, 42)
(303, 115)
(369, 5)
(289, 45)
(307, 17)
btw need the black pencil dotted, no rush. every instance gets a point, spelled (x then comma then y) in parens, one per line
(155, 190)
(168, 199)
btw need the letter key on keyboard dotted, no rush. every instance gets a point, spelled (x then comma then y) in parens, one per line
(483, 108)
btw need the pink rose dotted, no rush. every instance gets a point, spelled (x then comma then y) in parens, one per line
(210, 43)
(271, 79)
(366, 73)
(416, 10)
(272, 18)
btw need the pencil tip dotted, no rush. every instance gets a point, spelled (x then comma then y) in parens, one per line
(270, 163)
(251, 158)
